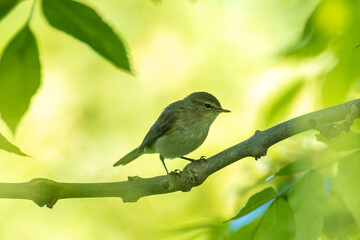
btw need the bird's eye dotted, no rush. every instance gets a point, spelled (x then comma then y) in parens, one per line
(207, 105)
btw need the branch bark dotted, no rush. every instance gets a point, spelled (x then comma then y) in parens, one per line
(44, 192)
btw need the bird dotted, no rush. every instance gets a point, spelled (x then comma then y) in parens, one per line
(180, 129)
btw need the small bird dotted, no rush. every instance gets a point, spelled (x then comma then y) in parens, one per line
(181, 128)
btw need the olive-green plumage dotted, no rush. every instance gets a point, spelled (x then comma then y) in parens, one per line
(181, 128)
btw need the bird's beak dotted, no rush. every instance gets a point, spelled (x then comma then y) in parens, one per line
(222, 110)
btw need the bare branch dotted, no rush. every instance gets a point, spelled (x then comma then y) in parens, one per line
(48, 192)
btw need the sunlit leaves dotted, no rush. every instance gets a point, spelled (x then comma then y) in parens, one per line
(277, 223)
(6, 6)
(308, 203)
(346, 141)
(20, 65)
(329, 19)
(295, 167)
(301, 215)
(212, 229)
(339, 223)
(333, 26)
(83, 23)
(282, 102)
(9, 147)
(246, 232)
(341, 79)
(348, 174)
(256, 201)
(19, 76)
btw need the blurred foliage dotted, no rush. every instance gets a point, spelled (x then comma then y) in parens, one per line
(247, 232)
(214, 229)
(20, 66)
(283, 102)
(6, 6)
(350, 183)
(256, 201)
(277, 223)
(307, 200)
(346, 141)
(78, 118)
(333, 26)
(19, 76)
(85, 24)
(296, 166)
(9, 147)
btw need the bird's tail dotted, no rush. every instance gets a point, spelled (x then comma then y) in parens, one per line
(131, 156)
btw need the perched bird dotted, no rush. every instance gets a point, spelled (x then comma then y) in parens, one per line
(181, 128)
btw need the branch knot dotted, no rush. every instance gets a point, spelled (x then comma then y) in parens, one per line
(44, 192)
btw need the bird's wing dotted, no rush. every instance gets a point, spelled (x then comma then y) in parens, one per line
(163, 125)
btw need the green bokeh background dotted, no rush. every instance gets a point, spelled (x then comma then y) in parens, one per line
(87, 114)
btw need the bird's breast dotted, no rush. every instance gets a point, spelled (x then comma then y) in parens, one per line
(184, 139)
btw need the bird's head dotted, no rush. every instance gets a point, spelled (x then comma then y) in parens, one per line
(205, 104)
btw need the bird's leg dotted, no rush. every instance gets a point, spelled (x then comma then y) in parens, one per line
(162, 160)
(189, 159)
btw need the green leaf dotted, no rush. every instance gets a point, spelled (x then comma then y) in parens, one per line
(334, 91)
(338, 222)
(308, 203)
(311, 42)
(333, 27)
(348, 176)
(283, 101)
(295, 167)
(6, 6)
(257, 200)
(346, 141)
(83, 23)
(213, 229)
(318, 34)
(246, 232)
(9, 147)
(19, 77)
(277, 223)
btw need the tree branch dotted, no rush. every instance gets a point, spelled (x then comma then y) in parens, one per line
(330, 122)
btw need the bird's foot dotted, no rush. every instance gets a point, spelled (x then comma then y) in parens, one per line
(176, 172)
(202, 158)
(133, 178)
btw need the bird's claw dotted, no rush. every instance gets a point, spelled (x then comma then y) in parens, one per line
(202, 158)
(176, 172)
